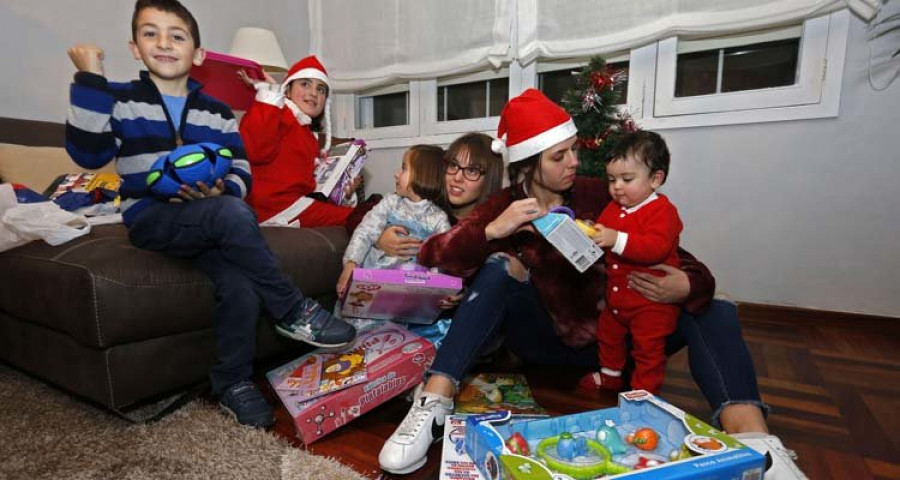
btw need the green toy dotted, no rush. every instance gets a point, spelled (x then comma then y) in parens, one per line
(581, 470)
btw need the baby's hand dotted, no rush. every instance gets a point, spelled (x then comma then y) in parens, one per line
(87, 58)
(344, 279)
(605, 237)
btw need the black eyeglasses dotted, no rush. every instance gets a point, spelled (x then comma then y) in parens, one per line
(470, 172)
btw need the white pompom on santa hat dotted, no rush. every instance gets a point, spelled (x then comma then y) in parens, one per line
(530, 124)
(309, 67)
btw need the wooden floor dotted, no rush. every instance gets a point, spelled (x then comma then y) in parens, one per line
(833, 382)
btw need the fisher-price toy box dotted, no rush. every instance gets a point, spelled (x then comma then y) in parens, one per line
(405, 296)
(567, 236)
(643, 438)
(396, 360)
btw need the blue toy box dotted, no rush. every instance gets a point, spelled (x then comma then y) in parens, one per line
(643, 438)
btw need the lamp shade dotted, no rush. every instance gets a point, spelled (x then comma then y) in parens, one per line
(259, 45)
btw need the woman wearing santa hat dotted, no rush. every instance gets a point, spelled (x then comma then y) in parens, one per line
(545, 310)
(279, 135)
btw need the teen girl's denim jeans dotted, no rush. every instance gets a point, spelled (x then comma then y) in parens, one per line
(499, 304)
(222, 237)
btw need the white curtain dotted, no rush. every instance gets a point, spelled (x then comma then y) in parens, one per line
(573, 28)
(367, 43)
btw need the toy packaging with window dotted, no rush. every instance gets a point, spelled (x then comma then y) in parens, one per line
(404, 296)
(395, 361)
(569, 237)
(643, 438)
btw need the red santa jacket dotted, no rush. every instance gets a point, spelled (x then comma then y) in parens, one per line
(573, 299)
(653, 231)
(282, 155)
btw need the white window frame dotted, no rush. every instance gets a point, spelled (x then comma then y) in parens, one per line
(430, 123)
(346, 109)
(536, 68)
(651, 91)
(651, 86)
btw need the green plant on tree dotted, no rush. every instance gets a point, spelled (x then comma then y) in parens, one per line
(592, 104)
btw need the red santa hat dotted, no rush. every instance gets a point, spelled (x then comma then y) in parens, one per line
(310, 67)
(530, 124)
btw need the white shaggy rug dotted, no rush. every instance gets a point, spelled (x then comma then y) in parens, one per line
(45, 434)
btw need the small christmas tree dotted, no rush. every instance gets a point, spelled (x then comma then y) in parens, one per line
(600, 124)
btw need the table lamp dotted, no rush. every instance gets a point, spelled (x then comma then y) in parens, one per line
(259, 45)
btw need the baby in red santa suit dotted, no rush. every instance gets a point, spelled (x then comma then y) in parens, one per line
(639, 228)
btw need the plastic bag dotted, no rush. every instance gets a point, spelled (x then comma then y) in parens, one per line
(45, 221)
(8, 238)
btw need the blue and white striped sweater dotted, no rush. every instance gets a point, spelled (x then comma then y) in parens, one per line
(129, 122)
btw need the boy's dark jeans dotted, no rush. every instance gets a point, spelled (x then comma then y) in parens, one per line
(497, 303)
(222, 236)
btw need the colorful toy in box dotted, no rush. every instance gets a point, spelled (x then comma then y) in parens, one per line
(399, 295)
(660, 442)
(395, 361)
(560, 229)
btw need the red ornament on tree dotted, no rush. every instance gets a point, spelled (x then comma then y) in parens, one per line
(602, 79)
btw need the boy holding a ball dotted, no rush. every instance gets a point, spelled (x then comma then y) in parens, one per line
(139, 121)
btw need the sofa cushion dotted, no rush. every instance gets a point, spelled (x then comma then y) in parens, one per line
(103, 291)
(37, 167)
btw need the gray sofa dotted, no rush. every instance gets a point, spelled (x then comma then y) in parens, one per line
(122, 326)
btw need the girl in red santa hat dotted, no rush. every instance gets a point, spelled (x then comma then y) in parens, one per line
(279, 133)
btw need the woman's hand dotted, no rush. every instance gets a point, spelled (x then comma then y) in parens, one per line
(514, 218)
(187, 193)
(396, 242)
(674, 287)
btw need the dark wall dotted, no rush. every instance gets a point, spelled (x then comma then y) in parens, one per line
(32, 133)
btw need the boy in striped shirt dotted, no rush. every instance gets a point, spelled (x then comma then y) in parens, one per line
(137, 122)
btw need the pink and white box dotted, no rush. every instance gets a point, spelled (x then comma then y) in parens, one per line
(396, 360)
(404, 296)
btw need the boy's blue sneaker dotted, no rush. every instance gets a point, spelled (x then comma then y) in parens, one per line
(310, 323)
(246, 404)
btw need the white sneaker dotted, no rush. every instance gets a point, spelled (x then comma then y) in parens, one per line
(782, 460)
(407, 449)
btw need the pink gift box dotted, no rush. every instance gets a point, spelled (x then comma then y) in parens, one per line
(218, 74)
(400, 295)
(396, 360)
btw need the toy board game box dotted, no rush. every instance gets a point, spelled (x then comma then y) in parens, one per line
(219, 76)
(563, 233)
(404, 296)
(643, 438)
(493, 392)
(396, 360)
(322, 373)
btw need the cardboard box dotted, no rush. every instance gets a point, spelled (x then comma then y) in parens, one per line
(686, 447)
(220, 80)
(396, 360)
(563, 233)
(455, 462)
(405, 296)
